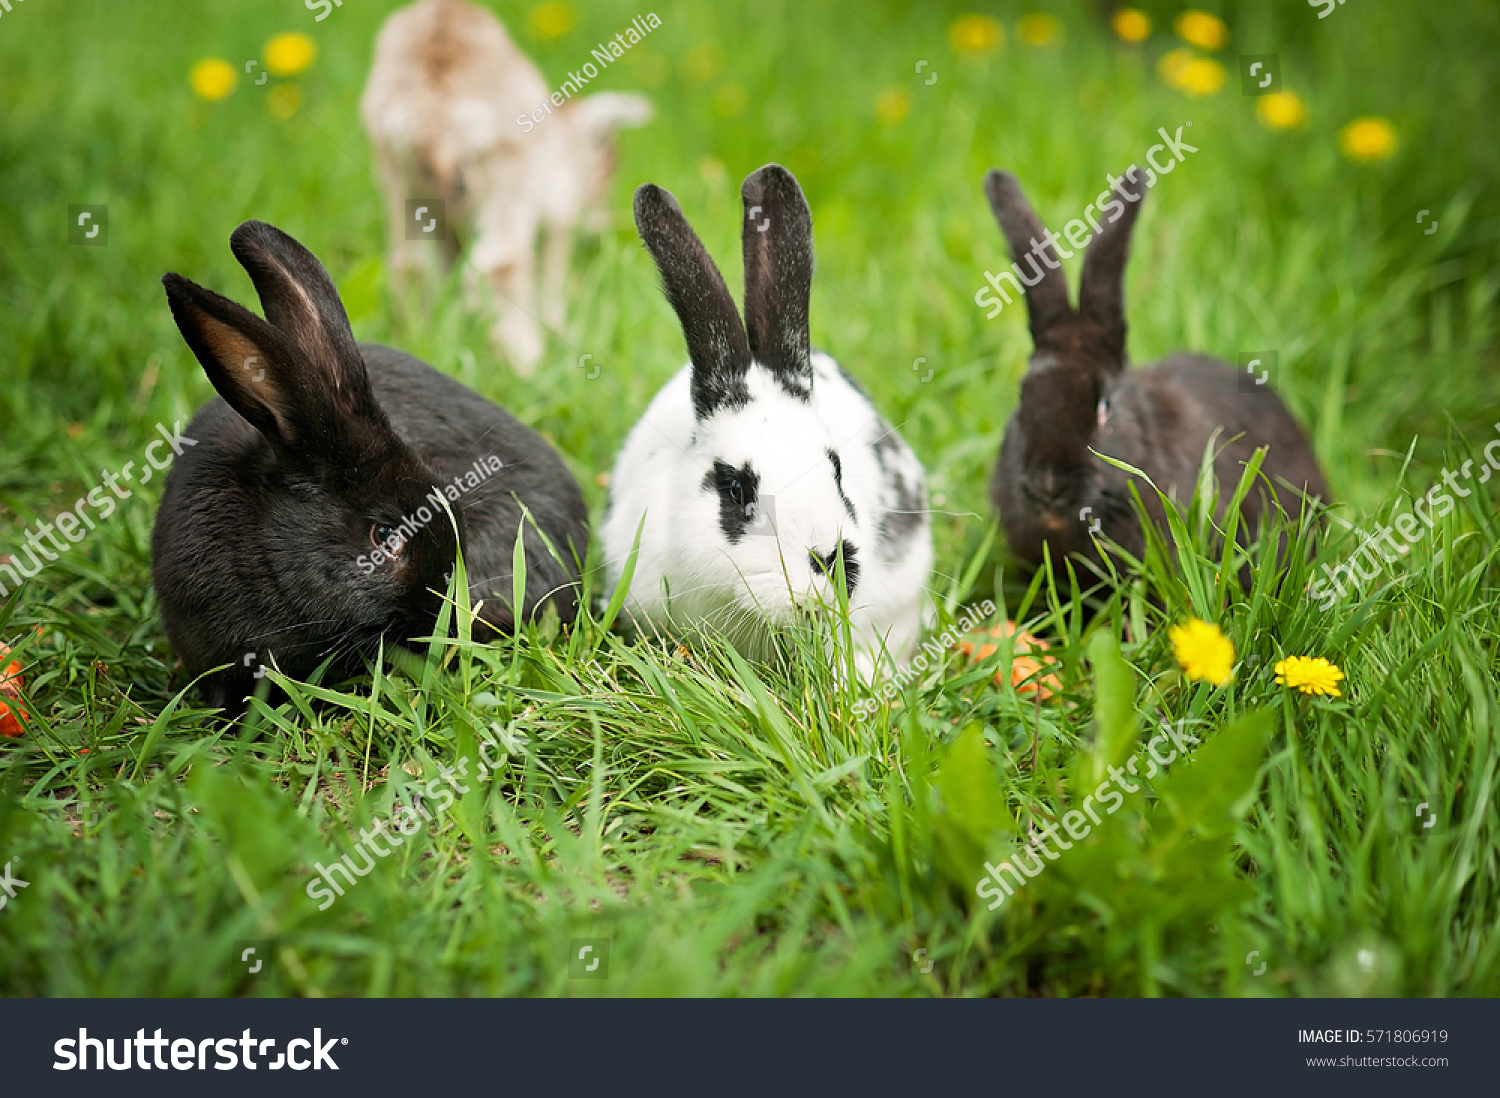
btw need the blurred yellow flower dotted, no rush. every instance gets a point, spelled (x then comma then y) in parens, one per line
(729, 100)
(1205, 31)
(976, 34)
(1200, 77)
(1173, 62)
(284, 100)
(1203, 651)
(703, 62)
(551, 20)
(1280, 110)
(892, 106)
(1039, 30)
(1132, 24)
(213, 79)
(289, 54)
(1368, 139)
(1311, 676)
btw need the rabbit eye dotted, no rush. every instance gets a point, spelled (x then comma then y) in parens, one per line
(738, 491)
(389, 539)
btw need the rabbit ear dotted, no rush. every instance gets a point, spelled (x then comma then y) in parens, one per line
(246, 359)
(1101, 294)
(296, 376)
(715, 337)
(778, 276)
(299, 298)
(1047, 297)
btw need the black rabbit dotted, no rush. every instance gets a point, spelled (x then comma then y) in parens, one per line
(1079, 394)
(307, 519)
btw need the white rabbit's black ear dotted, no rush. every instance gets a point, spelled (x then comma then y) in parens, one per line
(1101, 294)
(778, 248)
(1047, 293)
(715, 337)
(299, 298)
(248, 361)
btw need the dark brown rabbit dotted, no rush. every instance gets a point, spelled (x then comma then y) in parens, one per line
(307, 518)
(1078, 394)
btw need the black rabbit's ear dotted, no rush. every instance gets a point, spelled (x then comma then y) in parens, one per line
(299, 298)
(286, 392)
(1101, 294)
(715, 337)
(249, 362)
(778, 276)
(1047, 293)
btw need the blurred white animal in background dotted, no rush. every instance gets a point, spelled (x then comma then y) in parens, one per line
(445, 105)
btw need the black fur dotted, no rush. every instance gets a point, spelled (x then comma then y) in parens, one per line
(716, 339)
(828, 564)
(778, 249)
(838, 482)
(903, 518)
(739, 496)
(256, 546)
(1047, 485)
(778, 258)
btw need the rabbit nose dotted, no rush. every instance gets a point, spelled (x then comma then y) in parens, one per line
(822, 563)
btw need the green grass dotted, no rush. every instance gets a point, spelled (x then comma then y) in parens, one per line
(736, 829)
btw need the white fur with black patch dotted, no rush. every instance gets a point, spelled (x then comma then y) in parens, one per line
(688, 573)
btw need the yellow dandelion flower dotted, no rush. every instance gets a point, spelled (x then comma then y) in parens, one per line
(1039, 30)
(1280, 111)
(1202, 77)
(1205, 31)
(1368, 139)
(892, 106)
(976, 34)
(213, 79)
(1311, 676)
(289, 54)
(1172, 64)
(1131, 24)
(551, 20)
(284, 100)
(703, 62)
(729, 100)
(1203, 650)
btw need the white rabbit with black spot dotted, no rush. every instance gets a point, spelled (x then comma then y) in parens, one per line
(762, 463)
